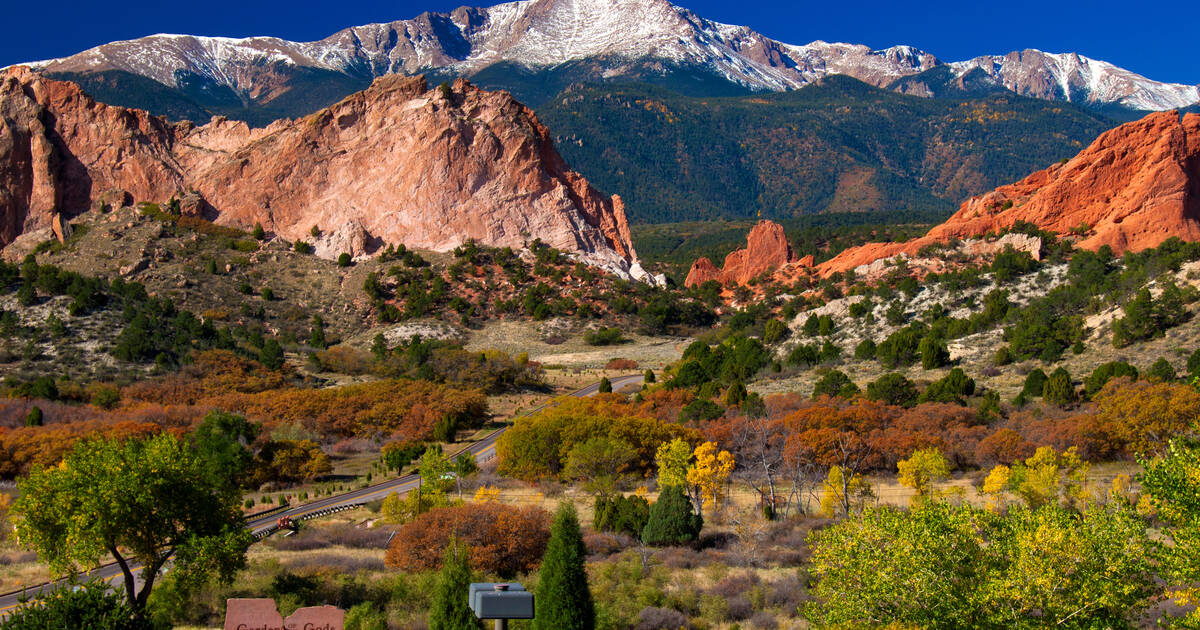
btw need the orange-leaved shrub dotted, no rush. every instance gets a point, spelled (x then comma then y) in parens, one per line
(502, 539)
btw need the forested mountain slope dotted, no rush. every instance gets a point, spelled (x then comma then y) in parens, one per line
(835, 146)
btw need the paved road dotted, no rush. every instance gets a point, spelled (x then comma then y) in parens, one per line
(483, 451)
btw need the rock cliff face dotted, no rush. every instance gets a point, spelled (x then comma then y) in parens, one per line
(767, 249)
(59, 150)
(396, 163)
(1131, 189)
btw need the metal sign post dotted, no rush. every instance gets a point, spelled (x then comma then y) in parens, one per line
(500, 602)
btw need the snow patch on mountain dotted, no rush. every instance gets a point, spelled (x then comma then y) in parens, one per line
(547, 33)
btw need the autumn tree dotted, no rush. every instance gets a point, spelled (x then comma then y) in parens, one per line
(921, 471)
(564, 599)
(1145, 415)
(291, 461)
(497, 538)
(1172, 482)
(1046, 477)
(673, 460)
(142, 501)
(943, 566)
(710, 474)
(757, 445)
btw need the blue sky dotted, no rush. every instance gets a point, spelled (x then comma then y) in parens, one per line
(1157, 41)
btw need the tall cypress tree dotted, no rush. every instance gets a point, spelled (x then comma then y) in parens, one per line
(451, 610)
(564, 601)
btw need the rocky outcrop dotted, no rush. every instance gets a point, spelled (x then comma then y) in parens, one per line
(59, 148)
(767, 249)
(396, 163)
(1131, 189)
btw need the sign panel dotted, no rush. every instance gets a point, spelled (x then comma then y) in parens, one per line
(262, 614)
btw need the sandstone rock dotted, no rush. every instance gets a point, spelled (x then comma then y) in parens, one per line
(349, 238)
(767, 249)
(61, 229)
(1131, 189)
(397, 160)
(140, 265)
(702, 271)
(192, 204)
(90, 147)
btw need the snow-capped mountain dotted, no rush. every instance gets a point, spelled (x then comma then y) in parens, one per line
(539, 34)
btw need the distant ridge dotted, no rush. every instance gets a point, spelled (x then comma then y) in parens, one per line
(596, 39)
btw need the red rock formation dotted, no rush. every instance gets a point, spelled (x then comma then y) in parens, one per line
(1131, 189)
(702, 271)
(396, 163)
(59, 148)
(767, 249)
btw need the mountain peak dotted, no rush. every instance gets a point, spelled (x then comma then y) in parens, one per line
(614, 37)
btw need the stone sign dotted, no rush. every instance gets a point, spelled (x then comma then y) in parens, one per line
(262, 614)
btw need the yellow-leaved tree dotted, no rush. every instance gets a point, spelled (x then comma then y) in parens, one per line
(921, 471)
(710, 472)
(673, 460)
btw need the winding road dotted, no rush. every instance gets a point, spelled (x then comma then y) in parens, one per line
(483, 450)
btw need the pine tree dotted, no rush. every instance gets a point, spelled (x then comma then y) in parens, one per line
(672, 520)
(450, 609)
(564, 601)
(1059, 390)
(605, 385)
(34, 418)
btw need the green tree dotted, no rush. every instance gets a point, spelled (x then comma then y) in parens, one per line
(141, 501)
(913, 569)
(893, 389)
(222, 440)
(259, 233)
(1161, 370)
(835, 383)
(1193, 364)
(600, 464)
(271, 354)
(1059, 390)
(605, 386)
(649, 377)
(366, 616)
(1106, 372)
(1035, 383)
(672, 520)
(951, 388)
(34, 417)
(450, 609)
(564, 599)
(775, 331)
(933, 353)
(93, 606)
(1172, 483)
(735, 394)
(317, 338)
(344, 260)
